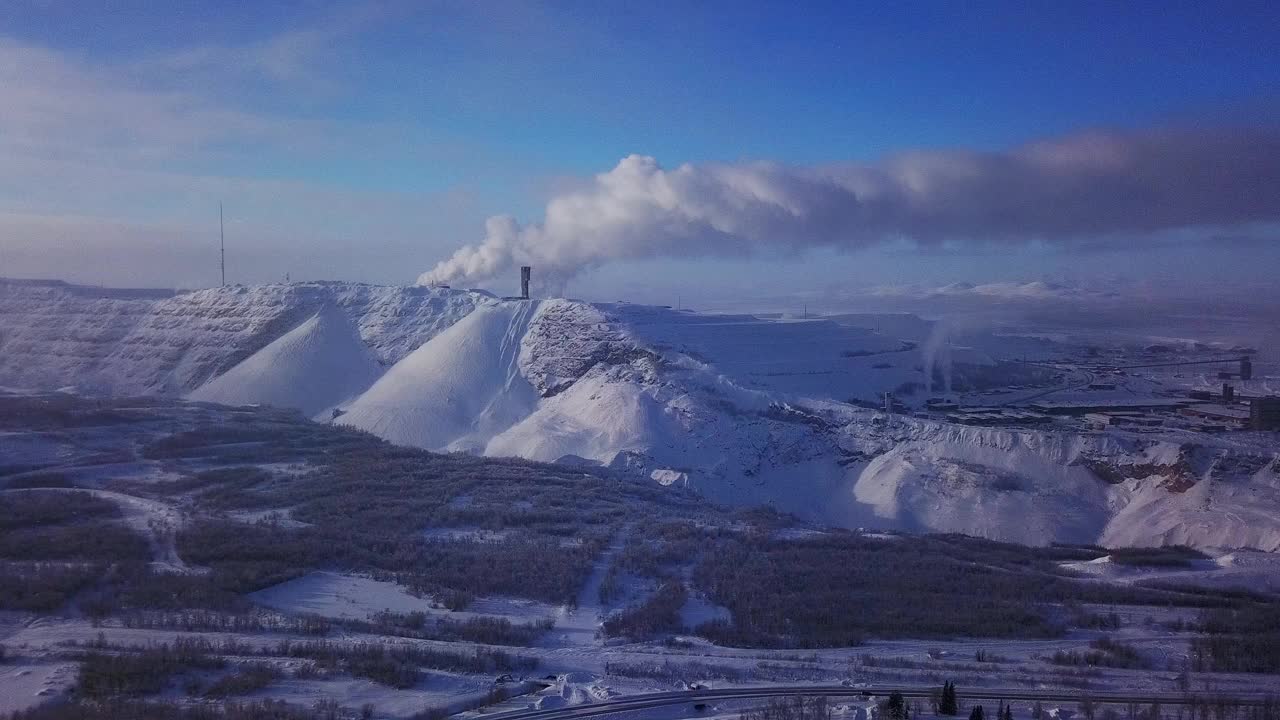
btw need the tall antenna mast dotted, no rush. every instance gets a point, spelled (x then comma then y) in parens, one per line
(222, 245)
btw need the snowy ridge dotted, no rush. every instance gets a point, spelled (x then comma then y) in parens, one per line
(746, 410)
(160, 342)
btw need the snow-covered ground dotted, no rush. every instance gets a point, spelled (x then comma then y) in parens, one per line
(27, 684)
(747, 410)
(588, 668)
(336, 595)
(1239, 569)
(585, 674)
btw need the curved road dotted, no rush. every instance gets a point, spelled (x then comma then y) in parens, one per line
(655, 700)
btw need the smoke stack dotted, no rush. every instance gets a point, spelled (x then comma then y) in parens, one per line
(525, 271)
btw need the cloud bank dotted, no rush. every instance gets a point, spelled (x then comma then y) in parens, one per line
(1074, 189)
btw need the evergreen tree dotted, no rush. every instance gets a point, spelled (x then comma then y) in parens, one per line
(896, 707)
(976, 713)
(1008, 713)
(947, 700)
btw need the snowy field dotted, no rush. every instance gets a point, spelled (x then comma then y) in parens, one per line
(335, 595)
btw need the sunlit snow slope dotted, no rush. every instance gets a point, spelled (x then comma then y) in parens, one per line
(459, 389)
(313, 367)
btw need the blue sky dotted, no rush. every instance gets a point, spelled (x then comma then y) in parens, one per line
(368, 141)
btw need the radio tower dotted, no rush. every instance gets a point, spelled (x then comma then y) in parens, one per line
(222, 245)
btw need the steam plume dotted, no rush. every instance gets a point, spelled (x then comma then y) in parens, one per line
(937, 349)
(1060, 191)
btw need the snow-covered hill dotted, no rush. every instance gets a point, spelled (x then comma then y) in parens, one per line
(747, 410)
(145, 341)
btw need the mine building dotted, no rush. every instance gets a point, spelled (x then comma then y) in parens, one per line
(1264, 413)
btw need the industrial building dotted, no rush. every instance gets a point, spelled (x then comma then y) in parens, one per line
(1264, 413)
(1229, 415)
(1123, 419)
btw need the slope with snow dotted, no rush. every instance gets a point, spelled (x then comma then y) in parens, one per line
(160, 342)
(459, 389)
(1037, 486)
(314, 366)
(54, 334)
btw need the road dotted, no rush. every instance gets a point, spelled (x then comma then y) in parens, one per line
(690, 697)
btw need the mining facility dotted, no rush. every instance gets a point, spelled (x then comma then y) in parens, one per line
(1146, 392)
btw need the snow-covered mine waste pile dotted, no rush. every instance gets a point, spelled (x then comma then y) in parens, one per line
(746, 410)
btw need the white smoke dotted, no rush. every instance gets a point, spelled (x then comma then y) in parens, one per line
(937, 350)
(1065, 190)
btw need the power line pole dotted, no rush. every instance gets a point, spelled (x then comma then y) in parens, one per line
(222, 244)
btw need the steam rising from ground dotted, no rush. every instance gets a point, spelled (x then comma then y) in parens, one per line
(937, 352)
(1080, 187)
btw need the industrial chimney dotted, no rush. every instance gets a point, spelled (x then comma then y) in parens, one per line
(525, 271)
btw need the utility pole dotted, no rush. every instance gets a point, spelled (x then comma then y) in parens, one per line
(222, 245)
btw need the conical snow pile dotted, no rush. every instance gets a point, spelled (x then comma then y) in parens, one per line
(459, 389)
(314, 367)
